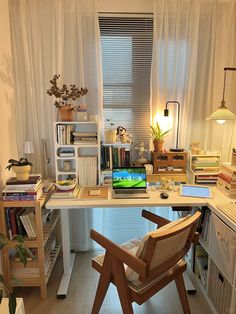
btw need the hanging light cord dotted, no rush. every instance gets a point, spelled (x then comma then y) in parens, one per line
(223, 100)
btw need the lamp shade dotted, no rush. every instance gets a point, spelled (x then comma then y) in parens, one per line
(28, 147)
(222, 113)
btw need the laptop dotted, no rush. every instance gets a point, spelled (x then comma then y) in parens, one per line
(129, 182)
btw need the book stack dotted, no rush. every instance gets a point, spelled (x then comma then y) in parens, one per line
(85, 138)
(87, 168)
(20, 220)
(227, 179)
(29, 190)
(69, 194)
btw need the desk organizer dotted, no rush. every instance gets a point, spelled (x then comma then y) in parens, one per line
(169, 163)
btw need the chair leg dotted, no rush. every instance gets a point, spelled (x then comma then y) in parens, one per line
(182, 293)
(122, 286)
(103, 284)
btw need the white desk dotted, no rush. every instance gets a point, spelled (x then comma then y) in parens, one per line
(154, 200)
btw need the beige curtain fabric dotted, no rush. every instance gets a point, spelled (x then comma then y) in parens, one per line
(51, 37)
(193, 42)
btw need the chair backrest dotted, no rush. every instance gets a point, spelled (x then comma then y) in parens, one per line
(163, 248)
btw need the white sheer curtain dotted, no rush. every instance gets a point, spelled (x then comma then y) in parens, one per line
(49, 37)
(193, 42)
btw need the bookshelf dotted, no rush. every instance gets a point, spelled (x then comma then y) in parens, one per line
(46, 246)
(77, 151)
(204, 169)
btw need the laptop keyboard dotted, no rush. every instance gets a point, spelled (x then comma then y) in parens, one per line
(130, 191)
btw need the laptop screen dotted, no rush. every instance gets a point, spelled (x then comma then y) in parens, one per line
(129, 178)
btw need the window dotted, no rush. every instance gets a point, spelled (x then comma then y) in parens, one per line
(126, 60)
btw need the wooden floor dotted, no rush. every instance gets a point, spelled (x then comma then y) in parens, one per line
(82, 290)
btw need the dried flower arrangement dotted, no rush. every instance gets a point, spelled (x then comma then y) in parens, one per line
(64, 93)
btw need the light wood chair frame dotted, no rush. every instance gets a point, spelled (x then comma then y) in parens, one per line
(116, 256)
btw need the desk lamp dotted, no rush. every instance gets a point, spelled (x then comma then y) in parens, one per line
(222, 113)
(166, 114)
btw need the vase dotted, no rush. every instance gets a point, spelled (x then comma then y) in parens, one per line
(66, 113)
(110, 136)
(158, 145)
(22, 172)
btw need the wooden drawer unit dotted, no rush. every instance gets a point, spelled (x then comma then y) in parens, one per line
(170, 162)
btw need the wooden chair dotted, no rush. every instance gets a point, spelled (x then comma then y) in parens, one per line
(140, 268)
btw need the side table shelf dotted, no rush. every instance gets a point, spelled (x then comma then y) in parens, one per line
(45, 246)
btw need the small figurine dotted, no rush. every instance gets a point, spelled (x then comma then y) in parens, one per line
(122, 135)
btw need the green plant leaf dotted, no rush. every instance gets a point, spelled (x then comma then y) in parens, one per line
(18, 238)
(12, 303)
(23, 258)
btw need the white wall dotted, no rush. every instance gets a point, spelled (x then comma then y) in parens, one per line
(8, 148)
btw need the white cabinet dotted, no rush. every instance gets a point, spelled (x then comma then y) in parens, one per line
(77, 151)
(204, 169)
(219, 256)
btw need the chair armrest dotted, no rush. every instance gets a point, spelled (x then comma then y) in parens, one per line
(160, 221)
(121, 254)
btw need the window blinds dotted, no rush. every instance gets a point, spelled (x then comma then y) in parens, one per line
(126, 61)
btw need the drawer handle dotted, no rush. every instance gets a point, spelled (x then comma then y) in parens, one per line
(221, 238)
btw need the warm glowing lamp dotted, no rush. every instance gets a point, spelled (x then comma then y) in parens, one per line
(166, 114)
(222, 113)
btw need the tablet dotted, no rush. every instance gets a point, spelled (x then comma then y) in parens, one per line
(195, 191)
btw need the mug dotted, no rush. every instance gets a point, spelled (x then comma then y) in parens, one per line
(66, 165)
(167, 184)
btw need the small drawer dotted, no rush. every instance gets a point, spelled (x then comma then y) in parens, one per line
(223, 247)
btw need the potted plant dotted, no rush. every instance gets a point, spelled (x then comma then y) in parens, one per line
(20, 167)
(63, 95)
(6, 290)
(158, 137)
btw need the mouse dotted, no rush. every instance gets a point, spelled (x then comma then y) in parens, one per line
(164, 195)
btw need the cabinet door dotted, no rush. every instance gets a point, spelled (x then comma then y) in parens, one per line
(223, 247)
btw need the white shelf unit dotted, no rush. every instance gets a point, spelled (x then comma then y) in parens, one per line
(67, 153)
(218, 283)
(207, 170)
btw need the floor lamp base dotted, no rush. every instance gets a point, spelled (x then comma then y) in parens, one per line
(179, 150)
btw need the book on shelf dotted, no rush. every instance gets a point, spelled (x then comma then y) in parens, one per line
(28, 221)
(67, 154)
(70, 194)
(23, 187)
(113, 156)
(20, 228)
(33, 179)
(22, 195)
(93, 193)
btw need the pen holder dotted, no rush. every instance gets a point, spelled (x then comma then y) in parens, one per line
(233, 161)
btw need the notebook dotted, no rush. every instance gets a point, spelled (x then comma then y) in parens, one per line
(129, 182)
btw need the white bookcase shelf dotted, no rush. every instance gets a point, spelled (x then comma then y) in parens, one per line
(73, 140)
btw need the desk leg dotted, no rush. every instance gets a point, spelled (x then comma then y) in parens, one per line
(68, 257)
(188, 284)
